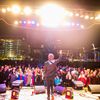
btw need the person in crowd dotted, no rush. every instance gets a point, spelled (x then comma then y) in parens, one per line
(38, 76)
(33, 77)
(82, 78)
(68, 78)
(29, 76)
(6, 75)
(2, 79)
(57, 80)
(13, 77)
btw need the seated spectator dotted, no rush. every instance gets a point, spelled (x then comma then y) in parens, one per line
(57, 81)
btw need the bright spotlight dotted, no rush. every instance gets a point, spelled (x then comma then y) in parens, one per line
(16, 22)
(33, 22)
(82, 16)
(20, 22)
(15, 9)
(67, 13)
(71, 14)
(97, 17)
(73, 24)
(37, 24)
(29, 22)
(68, 24)
(24, 22)
(86, 17)
(27, 11)
(82, 26)
(8, 9)
(78, 24)
(91, 18)
(3, 10)
(51, 15)
(77, 14)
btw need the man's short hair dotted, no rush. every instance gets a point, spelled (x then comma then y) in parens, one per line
(50, 54)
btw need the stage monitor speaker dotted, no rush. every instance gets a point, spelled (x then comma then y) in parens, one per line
(2, 88)
(78, 85)
(39, 89)
(94, 88)
(60, 90)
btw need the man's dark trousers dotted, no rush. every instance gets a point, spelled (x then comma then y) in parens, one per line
(50, 84)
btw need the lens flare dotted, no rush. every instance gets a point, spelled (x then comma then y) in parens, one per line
(51, 15)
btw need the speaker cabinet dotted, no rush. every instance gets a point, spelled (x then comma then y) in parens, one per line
(94, 88)
(2, 88)
(78, 85)
(60, 90)
(39, 89)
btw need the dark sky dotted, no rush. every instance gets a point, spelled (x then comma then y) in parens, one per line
(88, 4)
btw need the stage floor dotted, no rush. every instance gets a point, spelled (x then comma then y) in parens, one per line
(26, 94)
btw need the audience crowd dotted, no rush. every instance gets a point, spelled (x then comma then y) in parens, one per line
(32, 76)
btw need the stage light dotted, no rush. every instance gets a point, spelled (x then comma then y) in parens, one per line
(24, 22)
(20, 22)
(21, 13)
(33, 22)
(68, 24)
(3, 10)
(29, 22)
(91, 18)
(16, 22)
(77, 14)
(82, 26)
(82, 16)
(97, 17)
(8, 9)
(78, 24)
(15, 9)
(71, 14)
(27, 11)
(73, 24)
(67, 13)
(51, 15)
(86, 17)
(37, 24)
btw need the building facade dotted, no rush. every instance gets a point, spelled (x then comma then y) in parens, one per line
(12, 49)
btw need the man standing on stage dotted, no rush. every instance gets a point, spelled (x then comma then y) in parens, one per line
(50, 70)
